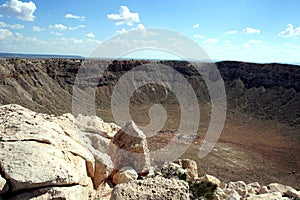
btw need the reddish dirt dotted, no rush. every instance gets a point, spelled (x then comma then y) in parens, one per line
(248, 149)
(254, 150)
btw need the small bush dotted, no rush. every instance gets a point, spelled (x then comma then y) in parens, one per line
(202, 188)
(173, 170)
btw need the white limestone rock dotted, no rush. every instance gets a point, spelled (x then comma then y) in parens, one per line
(231, 194)
(267, 196)
(96, 125)
(125, 175)
(152, 189)
(211, 178)
(240, 187)
(129, 148)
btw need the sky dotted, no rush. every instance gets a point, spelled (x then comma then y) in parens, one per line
(244, 30)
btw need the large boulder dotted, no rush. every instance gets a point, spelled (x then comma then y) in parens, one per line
(98, 145)
(96, 125)
(128, 148)
(37, 152)
(97, 142)
(103, 168)
(32, 165)
(152, 189)
(48, 154)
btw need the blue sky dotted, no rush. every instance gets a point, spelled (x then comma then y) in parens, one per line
(246, 30)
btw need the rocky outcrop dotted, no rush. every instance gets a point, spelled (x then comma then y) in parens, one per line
(35, 142)
(40, 151)
(54, 157)
(129, 148)
(94, 124)
(253, 191)
(152, 189)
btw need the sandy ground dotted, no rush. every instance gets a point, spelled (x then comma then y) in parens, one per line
(254, 150)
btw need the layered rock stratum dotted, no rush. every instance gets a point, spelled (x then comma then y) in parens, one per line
(268, 91)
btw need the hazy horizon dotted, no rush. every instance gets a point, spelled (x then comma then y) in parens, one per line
(66, 56)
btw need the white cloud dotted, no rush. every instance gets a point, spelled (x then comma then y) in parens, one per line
(232, 32)
(58, 26)
(75, 41)
(255, 41)
(76, 27)
(12, 26)
(287, 45)
(140, 26)
(90, 35)
(19, 9)
(56, 33)
(55, 45)
(16, 26)
(71, 40)
(73, 28)
(196, 26)
(4, 33)
(211, 41)
(249, 30)
(123, 30)
(199, 36)
(1, 15)
(37, 29)
(246, 45)
(124, 17)
(71, 16)
(3, 25)
(290, 31)
(252, 43)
